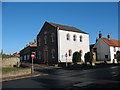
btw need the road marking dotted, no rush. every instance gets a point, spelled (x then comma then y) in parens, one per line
(113, 72)
(115, 75)
(114, 67)
(83, 84)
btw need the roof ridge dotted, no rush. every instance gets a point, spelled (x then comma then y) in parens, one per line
(62, 24)
(67, 27)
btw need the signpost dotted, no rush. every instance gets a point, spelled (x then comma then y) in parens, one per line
(32, 68)
(66, 59)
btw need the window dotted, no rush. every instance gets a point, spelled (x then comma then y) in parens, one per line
(68, 37)
(28, 57)
(115, 57)
(70, 52)
(74, 38)
(39, 41)
(53, 37)
(53, 53)
(39, 55)
(24, 57)
(45, 39)
(80, 38)
(21, 57)
(114, 49)
(106, 56)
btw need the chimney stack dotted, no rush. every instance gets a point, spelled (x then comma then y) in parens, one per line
(108, 36)
(100, 34)
(27, 45)
(96, 39)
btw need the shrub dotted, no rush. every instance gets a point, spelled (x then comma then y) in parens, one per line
(76, 57)
(88, 57)
(118, 56)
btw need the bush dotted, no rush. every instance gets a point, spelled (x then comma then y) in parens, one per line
(88, 57)
(118, 56)
(76, 57)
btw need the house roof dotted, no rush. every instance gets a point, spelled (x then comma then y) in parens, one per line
(66, 27)
(112, 42)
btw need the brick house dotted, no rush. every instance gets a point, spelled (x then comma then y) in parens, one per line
(25, 54)
(55, 40)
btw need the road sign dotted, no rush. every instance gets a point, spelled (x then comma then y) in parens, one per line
(32, 55)
(66, 55)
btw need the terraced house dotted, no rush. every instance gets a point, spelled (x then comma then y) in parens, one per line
(55, 40)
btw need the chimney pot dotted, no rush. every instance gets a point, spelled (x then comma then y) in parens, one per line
(100, 34)
(108, 36)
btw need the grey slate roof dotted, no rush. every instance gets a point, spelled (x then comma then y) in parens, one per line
(67, 28)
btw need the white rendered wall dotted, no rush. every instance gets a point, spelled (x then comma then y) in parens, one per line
(112, 52)
(102, 50)
(65, 45)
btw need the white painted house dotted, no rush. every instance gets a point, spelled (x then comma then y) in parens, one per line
(69, 42)
(55, 40)
(106, 48)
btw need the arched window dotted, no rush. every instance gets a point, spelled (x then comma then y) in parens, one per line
(70, 52)
(39, 41)
(39, 54)
(45, 39)
(53, 37)
(53, 53)
(74, 37)
(80, 38)
(68, 36)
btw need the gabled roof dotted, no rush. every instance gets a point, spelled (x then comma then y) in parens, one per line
(112, 42)
(66, 27)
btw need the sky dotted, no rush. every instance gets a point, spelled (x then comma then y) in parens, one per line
(22, 21)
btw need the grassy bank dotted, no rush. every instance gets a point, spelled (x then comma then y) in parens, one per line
(8, 68)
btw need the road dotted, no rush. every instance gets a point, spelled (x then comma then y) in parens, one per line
(108, 77)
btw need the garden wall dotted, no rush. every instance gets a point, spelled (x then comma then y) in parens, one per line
(16, 72)
(10, 62)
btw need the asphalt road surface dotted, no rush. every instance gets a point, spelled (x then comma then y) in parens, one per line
(108, 77)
